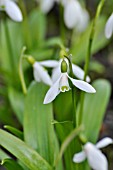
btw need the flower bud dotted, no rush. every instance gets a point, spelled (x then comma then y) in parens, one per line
(63, 66)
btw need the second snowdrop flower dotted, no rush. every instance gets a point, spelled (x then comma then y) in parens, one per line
(96, 158)
(75, 16)
(62, 85)
(40, 73)
(109, 27)
(11, 9)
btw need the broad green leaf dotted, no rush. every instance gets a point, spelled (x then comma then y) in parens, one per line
(23, 152)
(38, 129)
(10, 164)
(14, 131)
(37, 26)
(18, 104)
(3, 155)
(80, 44)
(94, 108)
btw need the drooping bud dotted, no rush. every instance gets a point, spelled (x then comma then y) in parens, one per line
(31, 60)
(64, 66)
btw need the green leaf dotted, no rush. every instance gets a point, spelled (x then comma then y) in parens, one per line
(14, 131)
(94, 109)
(3, 155)
(18, 104)
(38, 129)
(37, 26)
(10, 164)
(23, 152)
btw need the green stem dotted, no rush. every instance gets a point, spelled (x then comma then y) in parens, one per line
(21, 75)
(73, 91)
(88, 56)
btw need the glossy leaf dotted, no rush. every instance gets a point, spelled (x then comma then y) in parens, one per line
(10, 164)
(14, 131)
(38, 130)
(18, 104)
(23, 152)
(94, 109)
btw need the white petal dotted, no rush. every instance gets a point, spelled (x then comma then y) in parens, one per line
(46, 5)
(56, 74)
(49, 63)
(109, 27)
(72, 11)
(52, 92)
(79, 73)
(79, 157)
(83, 21)
(13, 11)
(96, 159)
(104, 142)
(82, 85)
(40, 74)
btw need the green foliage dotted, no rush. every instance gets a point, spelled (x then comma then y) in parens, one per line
(38, 130)
(93, 114)
(23, 152)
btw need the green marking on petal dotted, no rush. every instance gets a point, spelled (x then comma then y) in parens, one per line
(64, 88)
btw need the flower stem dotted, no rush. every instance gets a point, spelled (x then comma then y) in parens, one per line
(21, 75)
(88, 56)
(73, 91)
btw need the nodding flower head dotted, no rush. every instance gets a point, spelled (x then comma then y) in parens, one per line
(62, 85)
(12, 10)
(96, 158)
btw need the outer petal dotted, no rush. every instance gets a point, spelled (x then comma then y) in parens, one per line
(13, 11)
(46, 5)
(82, 85)
(79, 157)
(79, 73)
(72, 11)
(52, 92)
(56, 74)
(96, 159)
(83, 21)
(104, 142)
(49, 63)
(40, 74)
(109, 27)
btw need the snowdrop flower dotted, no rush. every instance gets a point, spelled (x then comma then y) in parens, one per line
(40, 73)
(75, 16)
(109, 27)
(11, 9)
(77, 71)
(96, 158)
(62, 85)
(46, 5)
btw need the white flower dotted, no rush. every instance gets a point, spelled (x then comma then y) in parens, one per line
(11, 9)
(109, 27)
(77, 71)
(62, 85)
(40, 73)
(75, 16)
(46, 5)
(96, 158)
